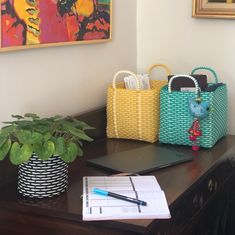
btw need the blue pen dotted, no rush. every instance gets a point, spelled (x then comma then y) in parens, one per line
(118, 196)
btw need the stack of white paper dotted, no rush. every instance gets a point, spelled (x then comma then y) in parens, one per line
(145, 188)
(131, 83)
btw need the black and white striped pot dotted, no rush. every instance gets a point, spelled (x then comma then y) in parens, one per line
(42, 178)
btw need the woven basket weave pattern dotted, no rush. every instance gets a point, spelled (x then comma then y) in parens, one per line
(176, 118)
(42, 178)
(134, 114)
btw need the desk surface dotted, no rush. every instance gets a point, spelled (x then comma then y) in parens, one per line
(176, 181)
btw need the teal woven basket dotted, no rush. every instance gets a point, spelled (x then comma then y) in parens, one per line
(175, 117)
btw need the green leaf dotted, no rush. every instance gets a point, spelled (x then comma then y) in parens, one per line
(19, 154)
(80, 151)
(36, 137)
(85, 126)
(17, 116)
(31, 115)
(71, 153)
(20, 123)
(47, 136)
(44, 150)
(3, 139)
(4, 149)
(42, 128)
(60, 146)
(8, 129)
(28, 137)
(24, 137)
(55, 118)
(78, 133)
(80, 124)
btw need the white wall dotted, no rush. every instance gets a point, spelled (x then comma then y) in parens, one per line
(167, 33)
(70, 79)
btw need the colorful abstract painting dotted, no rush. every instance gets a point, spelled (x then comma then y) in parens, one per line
(32, 23)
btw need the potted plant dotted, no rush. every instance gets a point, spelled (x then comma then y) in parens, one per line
(42, 148)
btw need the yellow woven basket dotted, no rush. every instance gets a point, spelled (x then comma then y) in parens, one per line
(134, 114)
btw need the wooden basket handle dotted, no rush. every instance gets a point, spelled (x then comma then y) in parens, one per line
(150, 69)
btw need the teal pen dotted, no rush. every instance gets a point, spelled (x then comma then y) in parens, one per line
(118, 196)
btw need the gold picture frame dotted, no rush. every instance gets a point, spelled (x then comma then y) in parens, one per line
(214, 9)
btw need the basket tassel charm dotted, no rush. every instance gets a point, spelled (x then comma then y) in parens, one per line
(200, 110)
(195, 132)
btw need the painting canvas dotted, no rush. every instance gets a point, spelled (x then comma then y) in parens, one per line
(35, 23)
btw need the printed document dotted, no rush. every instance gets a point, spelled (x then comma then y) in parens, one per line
(145, 188)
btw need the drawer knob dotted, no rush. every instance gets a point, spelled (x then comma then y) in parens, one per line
(195, 201)
(210, 185)
(201, 201)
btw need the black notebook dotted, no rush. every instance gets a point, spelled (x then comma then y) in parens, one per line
(141, 160)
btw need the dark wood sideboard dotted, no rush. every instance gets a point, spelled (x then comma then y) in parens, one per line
(200, 194)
